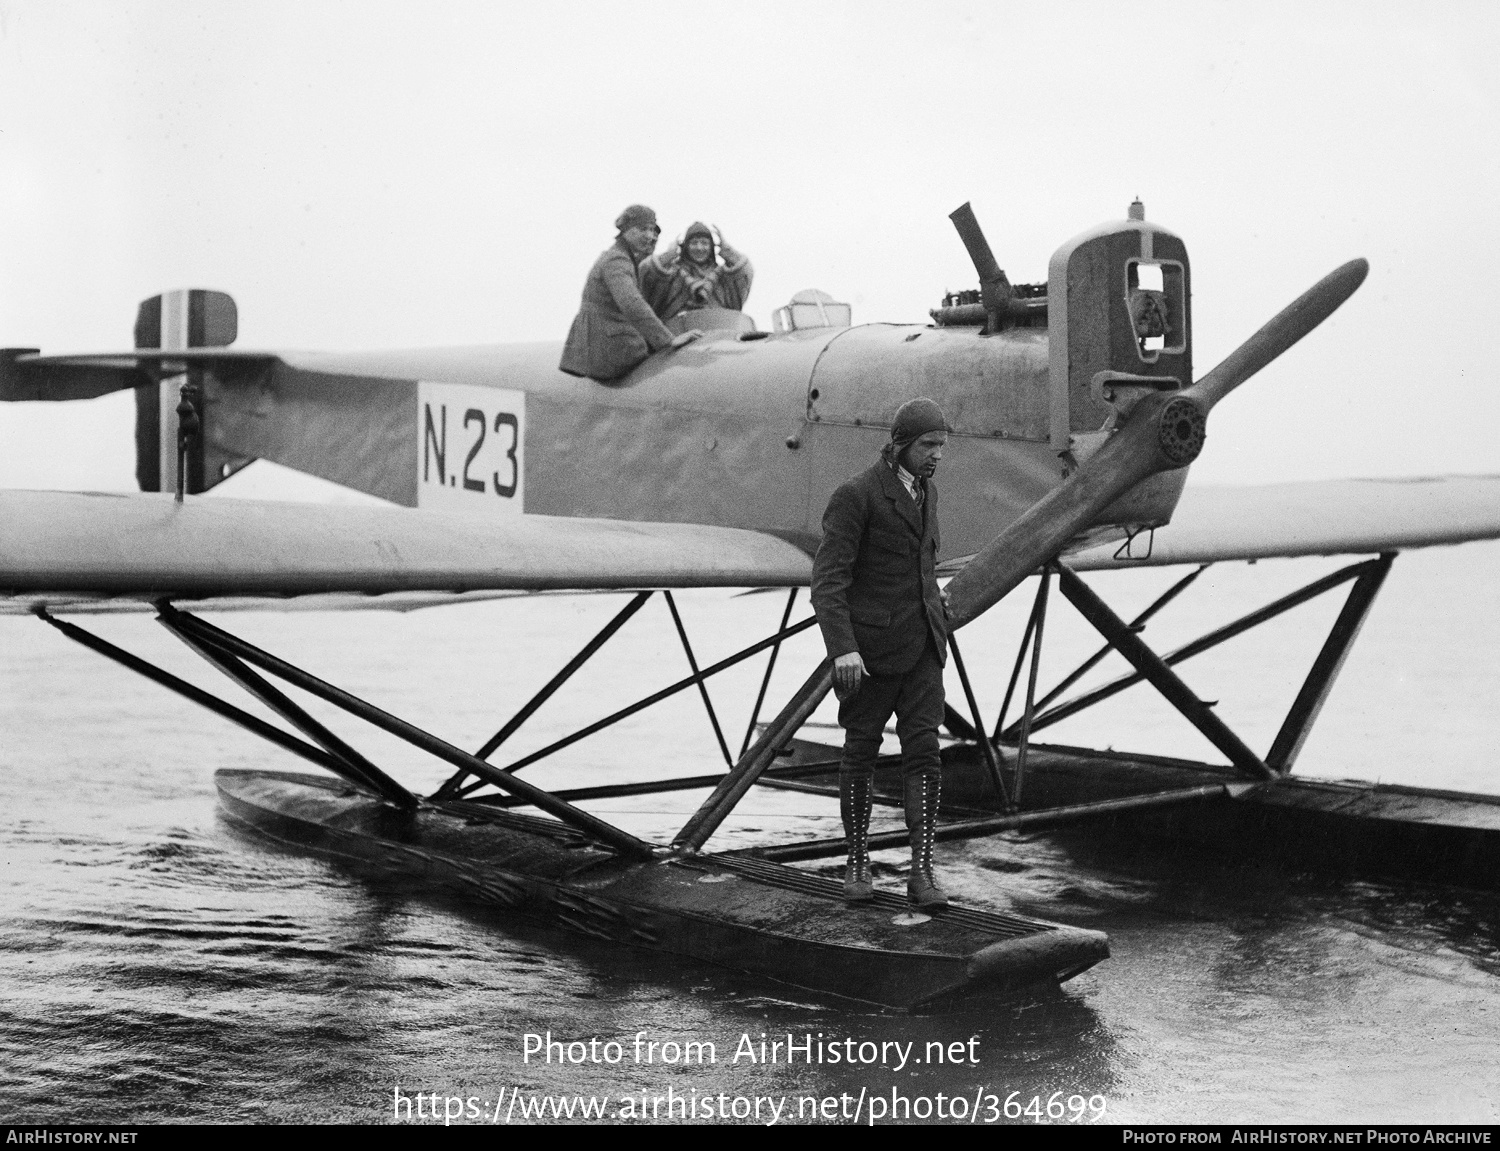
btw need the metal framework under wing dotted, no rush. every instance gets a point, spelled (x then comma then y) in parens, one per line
(629, 904)
(588, 875)
(239, 660)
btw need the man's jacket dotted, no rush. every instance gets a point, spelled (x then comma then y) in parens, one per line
(874, 583)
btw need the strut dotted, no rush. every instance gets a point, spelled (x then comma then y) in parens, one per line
(355, 765)
(985, 745)
(1034, 628)
(213, 703)
(201, 635)
(1367, 576)
(716, 808)
(773, 777)
(1187, 651)
(708, 704)
(1163, 678)
(1138, 624)
(765, 683)
(975, 828)
(1325, 669)
(584, 655)
(654, 698)
(513, 724)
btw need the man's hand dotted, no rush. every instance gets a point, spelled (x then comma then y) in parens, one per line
(848, 672)
(943, 595)
(686, 338)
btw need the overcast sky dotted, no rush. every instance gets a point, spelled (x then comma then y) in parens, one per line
(366, 175)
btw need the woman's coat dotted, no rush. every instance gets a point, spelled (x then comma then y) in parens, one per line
(615, 328)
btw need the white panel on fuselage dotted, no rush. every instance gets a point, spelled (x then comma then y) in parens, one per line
(470, 449)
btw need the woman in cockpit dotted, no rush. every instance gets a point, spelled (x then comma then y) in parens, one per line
(689, 274)
(615, 328)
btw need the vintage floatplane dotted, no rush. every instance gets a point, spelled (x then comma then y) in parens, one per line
(1075, 416)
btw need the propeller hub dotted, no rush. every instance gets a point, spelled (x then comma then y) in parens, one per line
(1180, 431)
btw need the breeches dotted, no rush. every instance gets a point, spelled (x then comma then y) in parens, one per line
(916, 698)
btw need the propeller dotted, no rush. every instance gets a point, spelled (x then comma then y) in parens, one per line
(1164, 431)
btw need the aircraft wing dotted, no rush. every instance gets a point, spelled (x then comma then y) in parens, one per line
(93, 552)
(1330, 517)
(76, 551)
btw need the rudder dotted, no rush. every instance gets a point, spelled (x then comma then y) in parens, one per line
(184, 318)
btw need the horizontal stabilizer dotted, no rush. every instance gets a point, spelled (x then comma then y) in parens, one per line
(26, 375)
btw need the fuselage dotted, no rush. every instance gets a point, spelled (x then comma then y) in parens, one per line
(741, 428)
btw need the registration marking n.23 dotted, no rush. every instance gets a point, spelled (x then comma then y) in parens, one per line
(471, 443)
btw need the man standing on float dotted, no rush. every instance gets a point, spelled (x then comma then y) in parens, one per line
(874, 588)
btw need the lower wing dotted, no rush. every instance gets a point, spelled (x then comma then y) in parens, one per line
(74, 551)
(1328, 517)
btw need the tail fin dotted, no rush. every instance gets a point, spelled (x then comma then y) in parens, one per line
(185, 318)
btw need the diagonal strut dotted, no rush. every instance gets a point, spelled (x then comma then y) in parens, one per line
(1160, 676)
(622, 841)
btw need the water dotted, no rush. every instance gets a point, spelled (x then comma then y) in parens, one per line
(160, 965)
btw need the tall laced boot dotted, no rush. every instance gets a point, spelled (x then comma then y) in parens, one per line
(854, 805)
(923, 792)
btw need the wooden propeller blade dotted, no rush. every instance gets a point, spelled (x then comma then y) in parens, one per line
(1284, 329)
(1163, 431)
